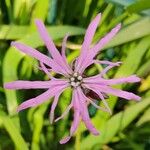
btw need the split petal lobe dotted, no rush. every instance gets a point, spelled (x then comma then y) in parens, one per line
(65, 140)
(90, 33)
(106, 39)
(47, 40)
(100, 96)
(51, 46)
(64, 113)
(95, 49)
(47, 72)
(88, 39)
(54, 104)
(63, 50)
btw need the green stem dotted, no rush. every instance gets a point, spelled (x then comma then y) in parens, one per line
(77, 140)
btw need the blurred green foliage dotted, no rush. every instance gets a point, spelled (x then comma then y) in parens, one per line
(129, 127)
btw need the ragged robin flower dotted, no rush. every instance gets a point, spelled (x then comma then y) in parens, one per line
(73, 76)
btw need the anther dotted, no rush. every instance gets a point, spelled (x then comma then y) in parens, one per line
(72, 79)
(79, 78)
(75, 74)
(73, 84)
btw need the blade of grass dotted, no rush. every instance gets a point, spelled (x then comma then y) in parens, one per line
(14, 133)
(134, 31)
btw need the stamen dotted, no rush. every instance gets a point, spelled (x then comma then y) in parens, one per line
(75, 74)
(79, 78)
(75, 80)
(72, 79)
(73, 84)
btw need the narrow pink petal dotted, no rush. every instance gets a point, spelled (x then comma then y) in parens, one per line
(130, 79)
(50, 45)
(41, 98)
(116, 92)
(76, 107)
(88, 39)
(84, 113)
(63, 50)
(98, 80)
(65, 140)
(39, 56)
(106, 39)
(76, 119)
(47, 39)
(96, 106)
(95, 49)
(105, 70)
(100, 95)
(46, 71)
(105, 62)
(64, 113)
(53, 108)
(75, 122)
(90, 33)
(54, 104)
(21, 84)
(27, 85)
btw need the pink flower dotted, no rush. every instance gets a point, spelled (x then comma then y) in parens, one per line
(73, 77)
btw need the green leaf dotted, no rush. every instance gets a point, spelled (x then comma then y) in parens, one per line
(144, 118)
(138, 6)
(14, 32)
(115, 125)
(121, 2)
(38, 121)
(13, 131)
(129, 66)
(37, 13)
(132, 32)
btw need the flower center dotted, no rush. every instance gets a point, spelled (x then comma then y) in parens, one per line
(75, 80)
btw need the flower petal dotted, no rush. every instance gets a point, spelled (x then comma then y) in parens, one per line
(39, 56)
(21, 84)
(33, 52)
(116, 92)
(54, 104)
(65, 140)
(105, 39)
(95, 49)
(87, 40)
(45, 70)
(64, 113)
(100, 96)
(51, 46)
(64, 47)
(76, 108)
(98, 80)
(84, 113)
(41, 98)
